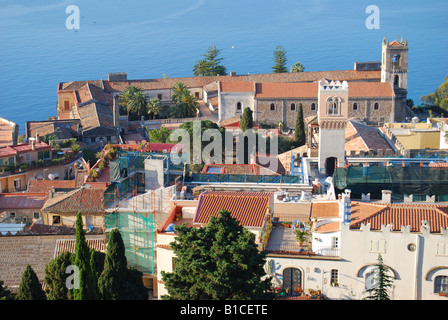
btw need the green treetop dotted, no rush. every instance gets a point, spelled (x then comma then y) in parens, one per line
(299, 133)
(217, 262)
(210, 64)
(280, 60)
(30, 288)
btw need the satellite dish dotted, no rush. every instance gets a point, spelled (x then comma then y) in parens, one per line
(164, 151)
(51, 176)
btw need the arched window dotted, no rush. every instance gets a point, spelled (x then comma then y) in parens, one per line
(293, 106)
(441, 284)
(272, 107)
(292, 278)
(371, 280)
(355, 106)
(238, 106)
(333, 106)
(313, 106)
(376, 106)
(396, 60)
(396, 80)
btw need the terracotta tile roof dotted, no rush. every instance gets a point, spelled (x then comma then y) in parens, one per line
(410, 214)
(86, 200)
(98, 244)
(198, 82)
(395, 43)
(243, 86)
(359, 137)
(239, 169)
(326, 209)
(43, 186)
(63, 129)
(22, 200)
(329, 227)
(438, 165)
(378, 214)
(289, 90)
(249, 208)
(14, 150)
(370, 89)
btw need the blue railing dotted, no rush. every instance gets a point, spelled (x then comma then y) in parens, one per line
(243, 178)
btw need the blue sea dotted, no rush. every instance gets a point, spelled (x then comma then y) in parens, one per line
(148, 39)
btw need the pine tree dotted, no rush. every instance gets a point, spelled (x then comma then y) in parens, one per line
(211, 64)
(216, 262)
(88, 287)
(280, 60)
(299, 134)
(117, 282)
(30, 288)
(384, 281)
(246, 121)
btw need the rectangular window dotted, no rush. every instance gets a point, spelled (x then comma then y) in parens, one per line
(17, 184)
(442, 249)
(43, 155)
(36, 215)
(12, 215)
(335, 242)
(159, 96)
(56, 219)
(92, 140)
(334, 278)
(28, 158)
(66, 105)
(441, 284)
(378, 246)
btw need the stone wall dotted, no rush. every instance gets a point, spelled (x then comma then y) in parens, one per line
(283, 110)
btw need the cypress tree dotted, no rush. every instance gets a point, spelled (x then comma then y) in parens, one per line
(384, 282)
(117, 282)
(299, 134)
(246, 121)
(88, 288)
(56, 276)
(30, 288)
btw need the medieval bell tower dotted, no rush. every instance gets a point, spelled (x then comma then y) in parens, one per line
(332, 117)
(394, 69)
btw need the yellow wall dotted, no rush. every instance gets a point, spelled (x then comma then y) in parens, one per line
(65, 96)
(7, 183)
(420, 140)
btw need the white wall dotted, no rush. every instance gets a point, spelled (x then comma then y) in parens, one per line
(229, 100)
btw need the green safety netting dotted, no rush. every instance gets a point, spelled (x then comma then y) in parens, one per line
(137, 231)
(407, 180)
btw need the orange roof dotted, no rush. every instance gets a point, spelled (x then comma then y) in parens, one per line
(249, 208)
(438, 165)
(22, 200)
(328, 209)
(290, 90)
(243, 86)
(378, 214)
(370, 89)
(406, 214)
(45, 185)
(10, 151)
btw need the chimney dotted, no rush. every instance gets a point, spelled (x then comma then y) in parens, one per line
(116, 111)
(386, 196)
(33, 143)
(51, 193)
(37, 137)
(345, 207)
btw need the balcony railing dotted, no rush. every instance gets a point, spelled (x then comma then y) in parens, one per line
(283, 248)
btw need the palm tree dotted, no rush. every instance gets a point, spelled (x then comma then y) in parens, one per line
(178, 91)
(154, 107)
(189, 105)
(138, 104)
(297, 67)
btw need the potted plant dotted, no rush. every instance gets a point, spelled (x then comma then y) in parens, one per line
(300, 236)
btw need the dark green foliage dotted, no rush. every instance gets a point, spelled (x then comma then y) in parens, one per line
(210, 64)
(280, 60)
(384, 282)
(117, 282)
(30, 288)
(56, 276)
(246, 121)
(5, 294)
(88, 288)
(185, 105)
(134, 101)
(439, 97)
(216, 262)
(299, 134)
